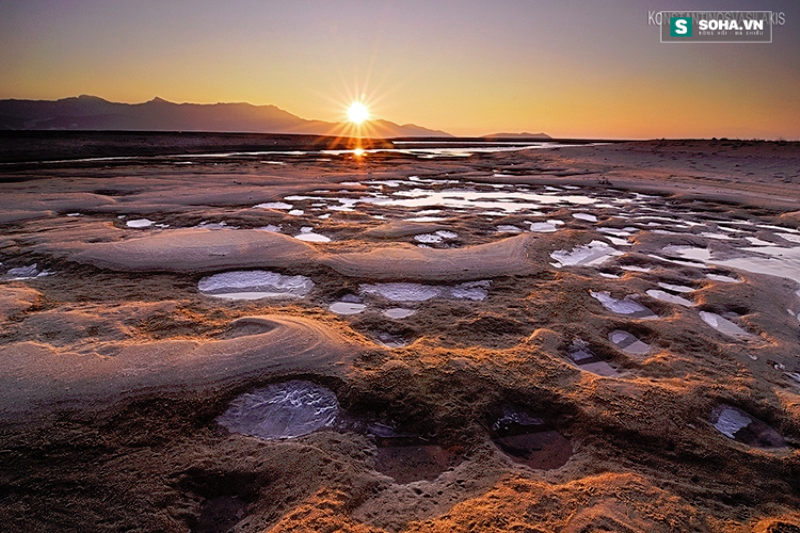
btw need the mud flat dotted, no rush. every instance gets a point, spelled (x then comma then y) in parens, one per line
(443, 338)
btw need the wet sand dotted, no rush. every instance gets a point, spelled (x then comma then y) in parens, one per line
(589, 338)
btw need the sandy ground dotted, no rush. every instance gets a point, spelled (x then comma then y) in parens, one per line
(115, 367)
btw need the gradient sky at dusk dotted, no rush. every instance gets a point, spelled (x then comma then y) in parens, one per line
(568, 68)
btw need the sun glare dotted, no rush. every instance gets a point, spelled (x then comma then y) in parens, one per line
(357, 113)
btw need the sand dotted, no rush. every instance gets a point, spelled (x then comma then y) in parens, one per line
(114, 367)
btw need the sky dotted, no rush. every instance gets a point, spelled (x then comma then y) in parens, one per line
(580, 69)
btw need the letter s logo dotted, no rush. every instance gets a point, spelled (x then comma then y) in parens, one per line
(680, 27)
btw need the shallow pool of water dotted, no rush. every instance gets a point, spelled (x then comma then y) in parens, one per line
(528, 440)
(723, 325)
(627, 306)
(26, 272)
(670, 298)
(628, 343)
(347, 308)
(592, 254)
(398, 312)
(254, 284)
(416, 292)
(139, 223)
(745, 428)
(282, 410)
(585, 359)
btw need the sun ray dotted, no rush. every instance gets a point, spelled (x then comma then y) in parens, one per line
(357, 113)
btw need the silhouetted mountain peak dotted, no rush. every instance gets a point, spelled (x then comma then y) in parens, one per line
(93, 113)
(90, 98)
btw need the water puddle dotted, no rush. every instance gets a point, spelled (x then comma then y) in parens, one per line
(282, 206)
(773, 260)
(681, 289)
(588, 217)
(767, 259)
(670, 298)
(627, 306)
(587, 360)
(724, 325)
(755, 241)
(794, 377)
(544, 227)
(347, 308)
(617, 232)
(529, 441)
(745, 428)
(307, 234)
(398, 312)
(702, 255)
(722, 278)
(437, 237)
(592, 254)
(635, 268)
(139, 223)
(282, 410)
(391, 340)
(506, 201)
(717, 236)
(416, 292)
(215, 225)
(254, 284)
(628, 343)
(407, 457)
(26, 272)
(271, 227)
(617, 241)
(508, 229)
(778, 228)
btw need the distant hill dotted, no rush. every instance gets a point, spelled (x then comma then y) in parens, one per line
(93, 113)
(523, 135)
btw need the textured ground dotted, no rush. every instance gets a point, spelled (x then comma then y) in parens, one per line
(114, 367)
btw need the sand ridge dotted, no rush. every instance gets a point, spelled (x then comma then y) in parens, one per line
(39, 376)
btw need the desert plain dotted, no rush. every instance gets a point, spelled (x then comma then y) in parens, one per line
(426, 337)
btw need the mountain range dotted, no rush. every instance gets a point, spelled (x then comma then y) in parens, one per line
(93, 113)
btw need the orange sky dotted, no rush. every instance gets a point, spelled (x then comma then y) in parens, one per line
(567, 68)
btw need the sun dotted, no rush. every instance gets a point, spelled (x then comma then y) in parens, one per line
(357, 113)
